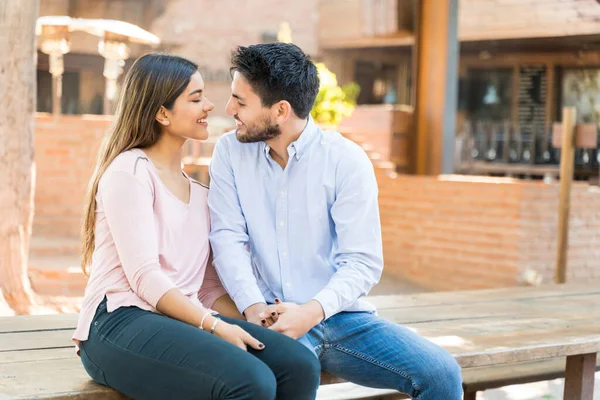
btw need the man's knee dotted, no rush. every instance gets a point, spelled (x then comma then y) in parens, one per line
(442, 375)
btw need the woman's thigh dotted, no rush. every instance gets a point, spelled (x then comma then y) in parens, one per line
(149, 356)
(296, 368)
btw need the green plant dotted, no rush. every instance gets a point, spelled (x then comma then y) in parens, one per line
(333, 102)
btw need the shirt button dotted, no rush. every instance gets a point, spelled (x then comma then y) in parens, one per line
(288, 284)
(281, 223)
(282, 193)
(284, 254)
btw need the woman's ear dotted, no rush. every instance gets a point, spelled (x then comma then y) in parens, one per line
(162, 116)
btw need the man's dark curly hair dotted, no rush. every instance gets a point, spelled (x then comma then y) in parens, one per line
(278, 71)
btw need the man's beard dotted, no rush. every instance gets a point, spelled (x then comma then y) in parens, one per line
(256, 133)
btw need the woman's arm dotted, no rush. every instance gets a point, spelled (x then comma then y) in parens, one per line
(213, 295)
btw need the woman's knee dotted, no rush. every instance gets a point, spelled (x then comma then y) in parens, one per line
(302, 364)
(253, 381)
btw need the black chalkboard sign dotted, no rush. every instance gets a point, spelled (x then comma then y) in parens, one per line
(532, 99)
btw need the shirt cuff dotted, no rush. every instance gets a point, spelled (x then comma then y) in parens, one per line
(248, 297)
(328, 299)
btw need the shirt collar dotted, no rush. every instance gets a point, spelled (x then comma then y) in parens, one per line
(299, 147)
(306, 137)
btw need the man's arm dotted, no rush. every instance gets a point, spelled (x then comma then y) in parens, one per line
(229, 235)
(355, 213)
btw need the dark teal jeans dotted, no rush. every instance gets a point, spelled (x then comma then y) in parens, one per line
(145, 355)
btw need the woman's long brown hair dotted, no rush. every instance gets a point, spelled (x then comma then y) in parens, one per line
(154, 80)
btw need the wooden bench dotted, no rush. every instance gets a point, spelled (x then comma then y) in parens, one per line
(499, 337)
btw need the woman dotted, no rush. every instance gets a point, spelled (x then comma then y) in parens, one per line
(146, 327)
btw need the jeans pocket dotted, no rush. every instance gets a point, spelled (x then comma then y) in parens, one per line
(92, 369)
(100, 314)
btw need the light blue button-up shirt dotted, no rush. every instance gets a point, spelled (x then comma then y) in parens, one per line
(309, 231)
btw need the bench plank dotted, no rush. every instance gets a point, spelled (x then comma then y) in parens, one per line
(8, 357)
(48, 379)
(504, 309)
(400, 301)
(36, 340)
(37, 322)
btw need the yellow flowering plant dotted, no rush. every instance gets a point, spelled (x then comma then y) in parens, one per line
(333, 102)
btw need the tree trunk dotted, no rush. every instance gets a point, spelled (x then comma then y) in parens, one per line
(17, 169)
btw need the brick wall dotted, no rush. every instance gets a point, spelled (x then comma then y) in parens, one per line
(65, 155)
(447, 233)
(539, 221)
(461, 232)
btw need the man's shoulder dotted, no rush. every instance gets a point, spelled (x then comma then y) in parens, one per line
(228, 136)
(341, 146)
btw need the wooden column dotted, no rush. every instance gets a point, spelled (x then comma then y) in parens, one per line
(436, 72)
(567, 161)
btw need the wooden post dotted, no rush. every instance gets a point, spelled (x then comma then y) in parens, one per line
(567, 158)
(56, 95)
(436, 73)
(579, 377)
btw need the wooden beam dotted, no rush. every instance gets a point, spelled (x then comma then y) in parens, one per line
(567, 157)
(564, 59)
(436, 55)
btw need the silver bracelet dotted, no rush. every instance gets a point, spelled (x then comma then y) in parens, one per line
(202, 320)
(212, 328)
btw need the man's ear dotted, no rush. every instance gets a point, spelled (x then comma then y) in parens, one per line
(283, 111)
(162, 116)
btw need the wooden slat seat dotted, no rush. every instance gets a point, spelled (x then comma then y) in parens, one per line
(499, 337)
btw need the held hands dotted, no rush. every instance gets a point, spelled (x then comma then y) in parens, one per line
(292, 319)
(233, 334)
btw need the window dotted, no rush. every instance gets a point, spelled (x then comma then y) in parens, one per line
(377, 81)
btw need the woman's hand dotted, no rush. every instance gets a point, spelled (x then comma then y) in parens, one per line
(235, 335)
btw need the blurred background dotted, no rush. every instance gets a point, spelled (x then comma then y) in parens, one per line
(456, 112)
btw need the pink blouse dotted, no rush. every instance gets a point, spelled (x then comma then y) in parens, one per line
(147, 242)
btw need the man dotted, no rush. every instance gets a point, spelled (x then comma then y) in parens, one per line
(296, 234)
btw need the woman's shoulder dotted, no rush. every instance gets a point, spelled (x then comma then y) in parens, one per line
(131, 165)
(133, 161)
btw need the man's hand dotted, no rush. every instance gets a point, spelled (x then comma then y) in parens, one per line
(253, 314)
(295, 320)
(271, 313)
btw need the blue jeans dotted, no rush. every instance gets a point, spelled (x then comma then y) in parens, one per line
(145, 355)
(370, 351)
